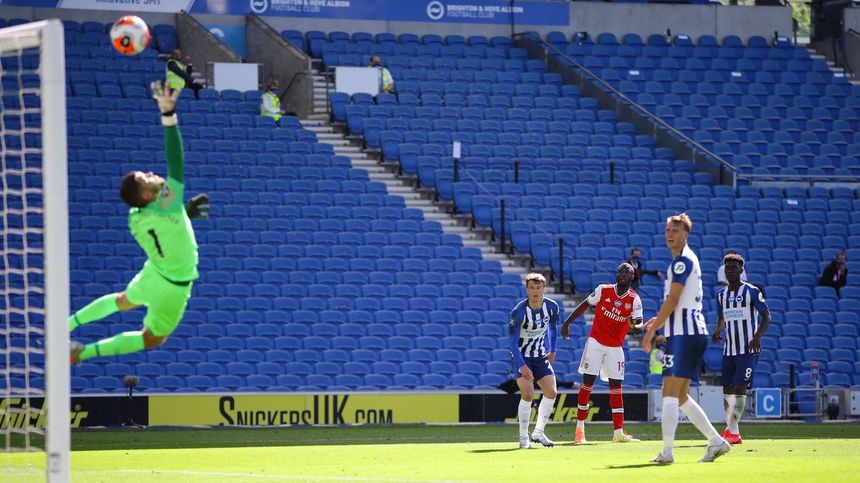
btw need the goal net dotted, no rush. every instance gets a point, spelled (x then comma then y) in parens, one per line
(34, 260)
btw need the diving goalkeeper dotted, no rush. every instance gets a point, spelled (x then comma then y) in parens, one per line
(161, 225)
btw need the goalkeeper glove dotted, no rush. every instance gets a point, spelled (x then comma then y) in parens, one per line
(197, 207)
(165, 97)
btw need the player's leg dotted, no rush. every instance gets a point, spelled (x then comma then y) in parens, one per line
(736, 399)
(673, 385)
(546, 381)
(99, 309)
(688, 363)
(717, 446)
(613, 370)
(524, 410)
(616, 403)
(136, 293)
(589, 367)
(727, 380)
(166, 304)
(582, 406)
(697, 415)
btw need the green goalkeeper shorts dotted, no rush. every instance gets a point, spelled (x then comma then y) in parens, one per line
(165, 301)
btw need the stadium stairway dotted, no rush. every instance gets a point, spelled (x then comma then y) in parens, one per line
(407, 186)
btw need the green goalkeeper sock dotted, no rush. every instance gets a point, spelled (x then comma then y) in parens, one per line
(95, 310)
(123, 343)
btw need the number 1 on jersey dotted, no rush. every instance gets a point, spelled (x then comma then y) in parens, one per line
(157, 245)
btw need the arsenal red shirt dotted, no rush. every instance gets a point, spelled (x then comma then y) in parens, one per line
(612, 313)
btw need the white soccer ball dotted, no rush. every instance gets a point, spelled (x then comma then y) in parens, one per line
(129, 35)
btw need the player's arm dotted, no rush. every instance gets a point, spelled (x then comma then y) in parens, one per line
(755, 342)
(552, 335)
(580, 309)
(655, 273)
(166, 98)
(635, 319)
(666, 310)
(721, 321)
(514, 334)
(718, 330)
(761, 306)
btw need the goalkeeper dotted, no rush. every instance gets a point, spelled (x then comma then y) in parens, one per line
(161, 225)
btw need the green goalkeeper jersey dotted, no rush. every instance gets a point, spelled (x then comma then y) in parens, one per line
(162, 228)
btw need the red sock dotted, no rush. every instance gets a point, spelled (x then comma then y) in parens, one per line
(582, 402)
(616, 402)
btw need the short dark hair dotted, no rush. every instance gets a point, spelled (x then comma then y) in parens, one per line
(634, 249)
(625, 264)
(129, 191)
(734, 257)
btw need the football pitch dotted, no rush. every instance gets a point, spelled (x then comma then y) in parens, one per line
(771, 452)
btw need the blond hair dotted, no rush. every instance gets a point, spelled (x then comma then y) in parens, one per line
(683, 219)
(535, 277)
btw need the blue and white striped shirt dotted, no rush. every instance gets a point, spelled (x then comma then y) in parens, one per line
(533, 332)
(687, 318)
(740, 309)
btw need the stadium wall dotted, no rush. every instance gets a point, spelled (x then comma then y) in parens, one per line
(260, 409)
(852, 41)
(642, 19)
(619, 19)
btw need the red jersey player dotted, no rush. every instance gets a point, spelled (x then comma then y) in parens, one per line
(617, 309)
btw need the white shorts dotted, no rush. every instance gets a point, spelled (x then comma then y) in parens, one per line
(605, 361)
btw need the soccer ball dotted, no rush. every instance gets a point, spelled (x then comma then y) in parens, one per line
(129, 35)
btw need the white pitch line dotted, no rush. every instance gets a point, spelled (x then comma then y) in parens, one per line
(252, 475)
(311, 442)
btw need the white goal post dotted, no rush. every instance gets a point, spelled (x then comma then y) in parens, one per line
(43, 325)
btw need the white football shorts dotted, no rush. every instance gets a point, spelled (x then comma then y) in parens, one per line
(604, 361)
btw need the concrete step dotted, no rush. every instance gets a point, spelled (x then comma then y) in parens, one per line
(440, 216)
(395, 190)
(377, 174)
(308, 124)
(320, 129)
(369, 164)
(350, 149)
(351, 155)
(332, 136)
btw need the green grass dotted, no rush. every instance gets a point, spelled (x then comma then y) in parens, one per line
(771, 452)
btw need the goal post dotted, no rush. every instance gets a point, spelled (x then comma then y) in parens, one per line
(35, 245)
